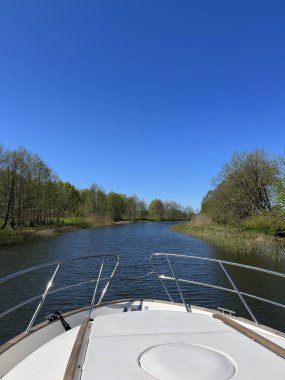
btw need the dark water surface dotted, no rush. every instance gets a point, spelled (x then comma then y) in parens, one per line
(134, 243)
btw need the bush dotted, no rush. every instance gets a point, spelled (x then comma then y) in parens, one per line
(266, 222)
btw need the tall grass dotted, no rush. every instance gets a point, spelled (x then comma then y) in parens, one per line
(20, 235)
(10, 236)
(233, 239)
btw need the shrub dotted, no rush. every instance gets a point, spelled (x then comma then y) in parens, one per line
(266, 222)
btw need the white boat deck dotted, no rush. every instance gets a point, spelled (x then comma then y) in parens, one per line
(48, 362)
(158, 344)
(174, 345)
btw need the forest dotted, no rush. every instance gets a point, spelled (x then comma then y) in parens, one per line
(31, 195)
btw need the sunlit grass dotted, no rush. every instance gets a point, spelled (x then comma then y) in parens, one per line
(18, 235)
(233, 239)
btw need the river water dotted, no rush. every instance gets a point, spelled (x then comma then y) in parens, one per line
(134, 243)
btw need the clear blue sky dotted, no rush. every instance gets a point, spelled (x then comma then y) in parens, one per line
(147, 97)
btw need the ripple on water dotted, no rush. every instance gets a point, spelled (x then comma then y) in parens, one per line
(134, 243)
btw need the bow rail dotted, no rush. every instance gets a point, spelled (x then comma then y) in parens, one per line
(155, 259)
(58, 264)
(223, 264)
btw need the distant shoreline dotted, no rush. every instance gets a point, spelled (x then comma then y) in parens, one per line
(23, 235)
(9, 237)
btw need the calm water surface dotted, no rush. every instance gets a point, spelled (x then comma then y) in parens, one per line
(134, 243)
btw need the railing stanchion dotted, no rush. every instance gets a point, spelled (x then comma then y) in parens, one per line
(108, 283)
(44, 296)
(177, 284)
(160, 280)
(238, 293)
(96, 287)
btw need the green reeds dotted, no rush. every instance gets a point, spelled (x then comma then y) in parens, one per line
(233, 239)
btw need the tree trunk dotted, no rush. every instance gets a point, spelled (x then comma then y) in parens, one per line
(10, 201)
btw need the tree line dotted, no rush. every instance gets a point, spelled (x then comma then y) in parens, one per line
(122, 207)
(250, 185)
(31, 194)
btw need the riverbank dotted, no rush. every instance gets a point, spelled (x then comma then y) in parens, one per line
(10, 236)
(232, 239)
(20, 235)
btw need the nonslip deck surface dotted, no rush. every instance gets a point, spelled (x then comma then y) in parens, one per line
(165, 345)
(48, 362)
(173, 345)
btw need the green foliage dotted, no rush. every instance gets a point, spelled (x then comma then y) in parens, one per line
(79, 221)
(280, 185)
(116, 205)
(174, 211)
(120, 207)
(267, 223)
(31, 195)
(249, 185)
(156, 210)
(232, 239)
(132, 205)
(95, 201)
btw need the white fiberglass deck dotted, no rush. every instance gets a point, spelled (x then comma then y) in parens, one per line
(161, 342)
(48, 362)
(173, 345)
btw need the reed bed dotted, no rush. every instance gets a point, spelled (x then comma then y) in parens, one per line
(233, 239)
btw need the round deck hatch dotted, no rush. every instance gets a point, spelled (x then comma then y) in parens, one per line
(186, 361)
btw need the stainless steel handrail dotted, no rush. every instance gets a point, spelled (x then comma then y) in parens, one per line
(78, 284)
(238, 293)
(104, 291)
(222, 264)
(266, 300)
(44, 296)
(51, 263)
(57, 290)
(161, 277)
(96, 287)
(47, 291)
(218, 261)
(177, 284)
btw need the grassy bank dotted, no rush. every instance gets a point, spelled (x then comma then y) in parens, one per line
(10, 236)
(233, 239)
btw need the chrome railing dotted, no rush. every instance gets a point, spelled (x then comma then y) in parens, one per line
(59, 264)
(169, 257)
(155, 260)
